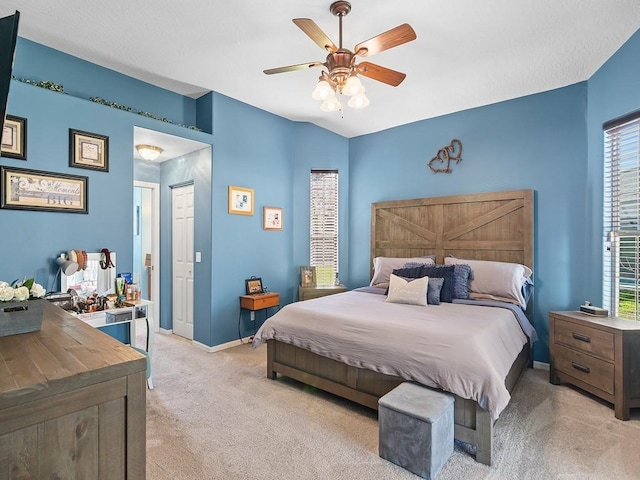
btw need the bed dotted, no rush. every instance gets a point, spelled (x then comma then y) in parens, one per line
(491, 226)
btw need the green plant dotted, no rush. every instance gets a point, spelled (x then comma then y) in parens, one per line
(47, 84)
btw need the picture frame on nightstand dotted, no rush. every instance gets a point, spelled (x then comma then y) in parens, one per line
(307, 276)
(253, 286)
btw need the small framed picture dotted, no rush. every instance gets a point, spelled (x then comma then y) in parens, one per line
(272, 218)
(14, 138)
(253, 285)
(307, 276)
(240, 200)
(88, 150)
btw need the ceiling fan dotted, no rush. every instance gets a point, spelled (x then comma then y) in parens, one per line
(342, 72)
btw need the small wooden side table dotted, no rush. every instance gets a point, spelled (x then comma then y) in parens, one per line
(256, 302)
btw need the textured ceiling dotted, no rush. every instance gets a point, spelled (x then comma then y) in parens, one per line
(468, 53)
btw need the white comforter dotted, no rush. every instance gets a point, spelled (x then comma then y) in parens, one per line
(464, 349)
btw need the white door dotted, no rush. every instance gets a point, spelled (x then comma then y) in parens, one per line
(182, 228)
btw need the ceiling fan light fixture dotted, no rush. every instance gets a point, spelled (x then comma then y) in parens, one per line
(358, 101)
(149, 152)
(353, 86)
(323, 91)
(342, 70)
(331, 104)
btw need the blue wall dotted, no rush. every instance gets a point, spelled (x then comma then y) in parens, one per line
(315, 148)
(550, 142)
(82, 79)
(252, 149)
(535, 142)
(614, 91)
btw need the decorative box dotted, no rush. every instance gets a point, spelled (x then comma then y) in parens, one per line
(21, 317)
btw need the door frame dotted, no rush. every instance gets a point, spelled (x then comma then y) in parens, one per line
(155, 249)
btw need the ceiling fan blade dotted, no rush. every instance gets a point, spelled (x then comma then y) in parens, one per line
(313, 31)
(381, 74)
(389, 39)
(292, 68)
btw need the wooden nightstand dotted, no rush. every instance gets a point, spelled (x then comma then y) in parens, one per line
(598, 354)
(307, 293)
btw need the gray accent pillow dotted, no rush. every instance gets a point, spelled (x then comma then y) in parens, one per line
(433, 290)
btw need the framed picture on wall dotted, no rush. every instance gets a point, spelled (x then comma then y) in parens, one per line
(14, 138)
(272, 218)
(23, 189)
(240, 200)
(88, 150)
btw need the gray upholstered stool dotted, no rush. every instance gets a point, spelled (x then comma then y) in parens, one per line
(415, 427)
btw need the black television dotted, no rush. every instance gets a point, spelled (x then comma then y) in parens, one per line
(8, 36)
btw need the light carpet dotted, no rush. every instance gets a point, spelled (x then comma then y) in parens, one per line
(217, 416)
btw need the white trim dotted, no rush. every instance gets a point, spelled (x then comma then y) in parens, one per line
(165, 331)
(541, 365)
(223, 346)
(155, 247)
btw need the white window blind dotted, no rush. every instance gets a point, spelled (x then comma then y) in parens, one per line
(324, 223)
(622, 217)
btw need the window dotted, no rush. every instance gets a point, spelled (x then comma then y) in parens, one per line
(622, 217)
(324, 225)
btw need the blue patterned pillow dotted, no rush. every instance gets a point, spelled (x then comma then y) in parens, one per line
(462, 274)
(414, 271)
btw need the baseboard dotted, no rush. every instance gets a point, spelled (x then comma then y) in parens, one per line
(541, 365)
(223, 346)
(165, 331)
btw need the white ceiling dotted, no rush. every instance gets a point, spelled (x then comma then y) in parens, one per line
(468, 53)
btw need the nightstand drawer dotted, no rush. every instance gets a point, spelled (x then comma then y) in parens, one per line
(586, 339)
(591, 370)
(259, 301)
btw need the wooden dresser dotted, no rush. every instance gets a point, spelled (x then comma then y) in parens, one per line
(598, 354)
(72, 403)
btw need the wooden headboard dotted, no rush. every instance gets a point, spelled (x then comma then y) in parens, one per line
(486, 226)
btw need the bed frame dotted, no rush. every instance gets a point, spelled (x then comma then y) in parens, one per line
(488, 226)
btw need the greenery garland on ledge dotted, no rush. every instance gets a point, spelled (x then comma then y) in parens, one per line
(48, 85)
(108, 103)
(56, 87)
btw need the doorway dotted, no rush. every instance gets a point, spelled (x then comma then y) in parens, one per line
(146, 243)
(181, 162)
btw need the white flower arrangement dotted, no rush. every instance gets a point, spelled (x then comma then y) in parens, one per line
(21, 290)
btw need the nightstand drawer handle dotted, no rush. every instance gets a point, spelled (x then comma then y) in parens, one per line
(582, 368)
(582, 338)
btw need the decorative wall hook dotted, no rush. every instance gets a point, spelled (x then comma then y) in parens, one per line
(445, 155)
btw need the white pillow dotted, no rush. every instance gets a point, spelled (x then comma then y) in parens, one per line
(412, 292)
(501, 281)
(383, 266)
